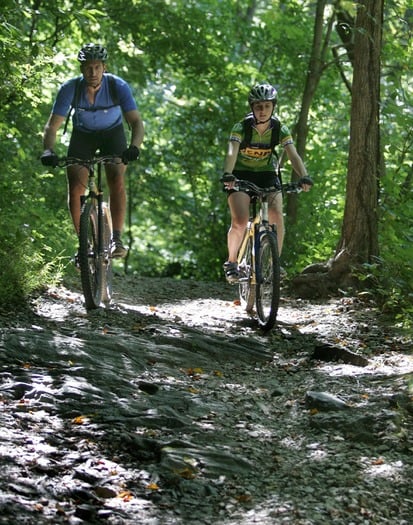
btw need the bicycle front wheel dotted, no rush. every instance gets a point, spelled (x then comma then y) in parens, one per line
(246, 285)
(268, 280)
(107, 260)
(91, 263)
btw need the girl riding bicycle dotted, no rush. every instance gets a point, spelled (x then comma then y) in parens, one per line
(250, 156)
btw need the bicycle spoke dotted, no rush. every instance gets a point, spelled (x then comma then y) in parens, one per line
(91, 267)
(268, 280)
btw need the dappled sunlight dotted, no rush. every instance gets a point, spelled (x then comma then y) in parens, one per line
(389, 366)
(180, 406)
(380, 468)
(316, 452)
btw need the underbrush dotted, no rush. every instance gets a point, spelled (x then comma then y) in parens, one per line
(26, 266)
(392, 287)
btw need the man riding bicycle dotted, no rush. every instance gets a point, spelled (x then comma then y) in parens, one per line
(250, 156)
(97, 126)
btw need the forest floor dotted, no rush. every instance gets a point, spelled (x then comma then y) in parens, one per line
(172, 407)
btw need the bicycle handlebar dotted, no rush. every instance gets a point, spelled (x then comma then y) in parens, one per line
(245, 185)
(103, 159)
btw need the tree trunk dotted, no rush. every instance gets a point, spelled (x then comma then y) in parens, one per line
(359, 235)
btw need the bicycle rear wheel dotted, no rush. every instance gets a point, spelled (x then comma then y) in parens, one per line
(268, 280)
(246, 289)
(91, 263)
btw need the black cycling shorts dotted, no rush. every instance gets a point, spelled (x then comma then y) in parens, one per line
(85, 145)
(264, 179)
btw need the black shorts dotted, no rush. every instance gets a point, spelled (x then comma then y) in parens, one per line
(84, 145)
(264, 179)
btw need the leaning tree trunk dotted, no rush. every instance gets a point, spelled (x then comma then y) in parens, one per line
(359, 235)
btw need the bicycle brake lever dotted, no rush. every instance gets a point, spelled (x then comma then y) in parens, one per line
(293, 188)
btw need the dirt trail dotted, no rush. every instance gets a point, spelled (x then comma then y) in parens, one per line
(171, 407)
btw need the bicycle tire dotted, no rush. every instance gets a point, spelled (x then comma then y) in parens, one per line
(90, 262)
(246, 289)
(107, 239)
(268, 280)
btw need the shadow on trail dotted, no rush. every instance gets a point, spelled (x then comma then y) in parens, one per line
(105, 422)
(141, 416)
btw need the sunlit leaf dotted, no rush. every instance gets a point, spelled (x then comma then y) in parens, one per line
(194, 372)
(125, 495)
(79, 420)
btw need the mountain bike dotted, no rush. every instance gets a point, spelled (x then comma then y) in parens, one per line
(95, 233)
(258, 258)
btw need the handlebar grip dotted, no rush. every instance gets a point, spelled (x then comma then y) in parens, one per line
(306, 180)
(227, 177)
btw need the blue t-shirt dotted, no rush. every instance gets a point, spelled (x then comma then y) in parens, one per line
(103, 114)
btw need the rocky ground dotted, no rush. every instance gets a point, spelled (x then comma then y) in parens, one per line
(172, 407)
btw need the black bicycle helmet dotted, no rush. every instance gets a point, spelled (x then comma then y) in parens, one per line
(261, 92)
(92, 52)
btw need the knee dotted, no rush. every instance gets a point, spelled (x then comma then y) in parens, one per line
(277, 217)
(75, 190)
(238, 224)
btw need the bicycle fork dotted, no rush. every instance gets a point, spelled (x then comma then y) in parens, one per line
(96, 198)
(262, 227)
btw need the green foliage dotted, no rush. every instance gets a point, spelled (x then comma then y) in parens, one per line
(191, 65)
(391, 287)
(24, 261)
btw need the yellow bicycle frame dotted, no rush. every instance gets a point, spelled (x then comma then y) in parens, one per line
(249, 234)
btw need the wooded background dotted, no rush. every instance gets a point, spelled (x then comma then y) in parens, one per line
(343, 71)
